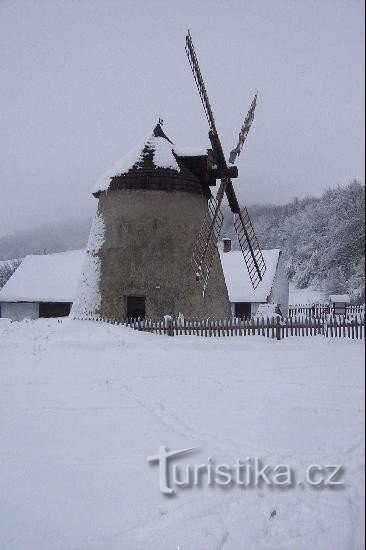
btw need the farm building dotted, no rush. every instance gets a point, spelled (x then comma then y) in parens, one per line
(244, 300)
(42, 286)
(46, 285)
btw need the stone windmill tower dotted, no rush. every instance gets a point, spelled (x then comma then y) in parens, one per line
(148, 230)
(138, 261)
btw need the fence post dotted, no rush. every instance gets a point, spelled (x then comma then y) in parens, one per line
(170, 326)
(273, 327)
(278, 329)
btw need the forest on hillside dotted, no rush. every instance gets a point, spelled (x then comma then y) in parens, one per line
(323, 239)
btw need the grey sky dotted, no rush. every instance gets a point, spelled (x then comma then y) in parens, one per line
(82, 82)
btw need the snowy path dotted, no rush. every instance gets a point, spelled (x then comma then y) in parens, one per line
(83, 405)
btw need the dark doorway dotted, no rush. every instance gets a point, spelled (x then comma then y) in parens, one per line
(136, 307)
(243, 310)
(55, 309)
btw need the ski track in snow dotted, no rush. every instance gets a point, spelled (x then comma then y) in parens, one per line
(83, 404)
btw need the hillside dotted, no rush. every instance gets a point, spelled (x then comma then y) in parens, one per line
(322, 238)
(45, 239)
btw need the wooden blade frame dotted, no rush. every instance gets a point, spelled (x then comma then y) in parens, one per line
(193, 61)
(244, 131)
(206, 245)
(249, 246)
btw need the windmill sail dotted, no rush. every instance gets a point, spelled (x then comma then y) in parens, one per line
(249, 246)
(244, 131)
(193, 61)
(206, 245)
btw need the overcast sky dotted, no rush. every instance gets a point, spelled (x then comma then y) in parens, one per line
(82, 82)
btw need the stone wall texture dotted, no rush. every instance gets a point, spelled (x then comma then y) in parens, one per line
(149, 239)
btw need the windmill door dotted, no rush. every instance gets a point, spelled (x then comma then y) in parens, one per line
(136, 307)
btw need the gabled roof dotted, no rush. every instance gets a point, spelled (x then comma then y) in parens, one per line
(237, 278)
(45, 278)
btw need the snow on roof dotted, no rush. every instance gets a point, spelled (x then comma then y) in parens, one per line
(163, 157)
(190, 151)
(45, 278)
(237, 277)
(55, 277)
(340, 298)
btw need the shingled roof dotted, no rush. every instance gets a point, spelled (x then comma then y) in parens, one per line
(155, 156)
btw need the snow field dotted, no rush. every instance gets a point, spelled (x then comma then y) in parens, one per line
(83, 404)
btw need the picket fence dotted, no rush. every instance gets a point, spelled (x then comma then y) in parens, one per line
(276, 328)
(321, 310)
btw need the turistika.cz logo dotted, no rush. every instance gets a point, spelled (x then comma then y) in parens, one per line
(251, 472)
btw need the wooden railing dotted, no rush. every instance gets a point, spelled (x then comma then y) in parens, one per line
(276, 328)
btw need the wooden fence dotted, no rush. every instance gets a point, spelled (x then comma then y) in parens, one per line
(321, 310)
(276, 328)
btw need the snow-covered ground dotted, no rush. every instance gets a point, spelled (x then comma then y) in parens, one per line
(305, 296)
(82, 405)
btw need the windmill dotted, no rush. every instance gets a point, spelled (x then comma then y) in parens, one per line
(206, 244)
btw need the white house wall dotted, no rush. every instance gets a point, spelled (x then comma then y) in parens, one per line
(17, 311)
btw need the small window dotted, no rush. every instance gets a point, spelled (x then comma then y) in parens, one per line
(243, 310)
(136, 308)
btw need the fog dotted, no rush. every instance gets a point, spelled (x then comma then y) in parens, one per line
(82, 82)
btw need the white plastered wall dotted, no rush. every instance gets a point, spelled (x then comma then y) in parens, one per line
(17, 311)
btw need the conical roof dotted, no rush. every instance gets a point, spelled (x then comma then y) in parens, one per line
(155, 152)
